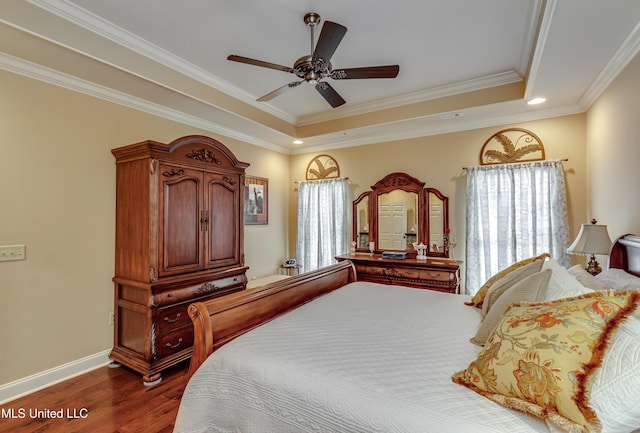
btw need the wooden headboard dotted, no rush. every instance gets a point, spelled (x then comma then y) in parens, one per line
(625, 254)
(220, 320)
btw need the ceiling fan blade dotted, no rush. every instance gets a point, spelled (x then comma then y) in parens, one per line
(255, 62)
(330, 37)
(390, 71)
(269, 96)
(330, 94)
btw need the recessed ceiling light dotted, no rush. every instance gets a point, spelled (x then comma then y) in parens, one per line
(298, 141)
(536, 101)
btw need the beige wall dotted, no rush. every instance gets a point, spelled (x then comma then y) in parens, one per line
(613, 149)
(57, 195)
(438, 161)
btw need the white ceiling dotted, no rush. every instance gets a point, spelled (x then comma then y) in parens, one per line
(168, 57)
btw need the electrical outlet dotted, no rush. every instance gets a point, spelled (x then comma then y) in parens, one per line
(12, 252)
(112, 318)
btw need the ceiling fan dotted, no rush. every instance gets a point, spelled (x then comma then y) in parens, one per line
(316, 67)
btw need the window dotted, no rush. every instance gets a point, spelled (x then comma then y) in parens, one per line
(322, 222)
(514, 211)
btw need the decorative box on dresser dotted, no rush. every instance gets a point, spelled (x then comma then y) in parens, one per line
(179, 238)
(439, 274)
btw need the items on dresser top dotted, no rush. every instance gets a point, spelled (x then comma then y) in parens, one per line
(394, 255)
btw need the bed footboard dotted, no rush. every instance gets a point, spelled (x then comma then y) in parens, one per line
(219, 320)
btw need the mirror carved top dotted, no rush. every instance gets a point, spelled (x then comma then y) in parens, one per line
(398, 181)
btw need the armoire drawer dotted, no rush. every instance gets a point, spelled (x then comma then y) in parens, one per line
(171, 318)
(208, 289)
(175, 341)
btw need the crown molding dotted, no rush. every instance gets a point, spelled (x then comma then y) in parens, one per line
(95, 24)
(531, 35)
(356, 137)
(480, 83)
(627, 51)
(445, 127)
(50, 76)
(442, 126)
(548, 12)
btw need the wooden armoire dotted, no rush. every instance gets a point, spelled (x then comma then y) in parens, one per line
(179, 238)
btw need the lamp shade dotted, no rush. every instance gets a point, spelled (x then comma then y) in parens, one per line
(592, 239)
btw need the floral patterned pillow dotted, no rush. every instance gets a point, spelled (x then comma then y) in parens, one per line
(478, 298)
(541, 356)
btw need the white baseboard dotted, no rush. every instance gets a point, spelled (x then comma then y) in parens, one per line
(27, 385)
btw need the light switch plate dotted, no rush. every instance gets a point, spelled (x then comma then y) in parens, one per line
(12, 252)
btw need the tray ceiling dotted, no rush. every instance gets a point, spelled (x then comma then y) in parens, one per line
(463, 63)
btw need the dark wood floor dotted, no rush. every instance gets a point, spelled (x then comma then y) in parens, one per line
(105, 400)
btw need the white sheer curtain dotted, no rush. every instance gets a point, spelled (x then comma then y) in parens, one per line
(514, 211)
(322, 222)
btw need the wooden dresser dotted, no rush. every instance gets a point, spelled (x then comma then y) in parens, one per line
(434, 273)
(179, 238)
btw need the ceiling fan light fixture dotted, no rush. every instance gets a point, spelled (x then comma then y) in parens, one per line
(312, 77)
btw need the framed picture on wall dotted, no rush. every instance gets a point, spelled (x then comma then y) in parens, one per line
(256, 200)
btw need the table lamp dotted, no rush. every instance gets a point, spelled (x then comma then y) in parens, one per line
(593, 239)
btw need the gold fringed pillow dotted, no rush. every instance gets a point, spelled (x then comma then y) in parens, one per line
(541, 356)
(510, 272)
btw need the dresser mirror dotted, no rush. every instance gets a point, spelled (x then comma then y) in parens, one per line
(361, 211)
(399, 212)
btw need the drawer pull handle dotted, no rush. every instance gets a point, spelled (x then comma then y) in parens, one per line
(173, 346)
(166, 319)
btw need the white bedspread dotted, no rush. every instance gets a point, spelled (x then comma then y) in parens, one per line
(364, 358)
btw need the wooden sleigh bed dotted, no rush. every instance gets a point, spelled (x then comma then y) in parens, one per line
(335, 375)
(222, 319)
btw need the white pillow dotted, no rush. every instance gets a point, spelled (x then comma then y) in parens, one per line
(615, 387)
(561, 284)
(525, 290)
(586, 279)
(618, 279)
(504, 283)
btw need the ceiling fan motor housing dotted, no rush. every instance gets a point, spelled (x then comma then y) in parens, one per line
(312, 69)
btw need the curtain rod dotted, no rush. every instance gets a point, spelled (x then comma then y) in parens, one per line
(563, 159)
(329, 178)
